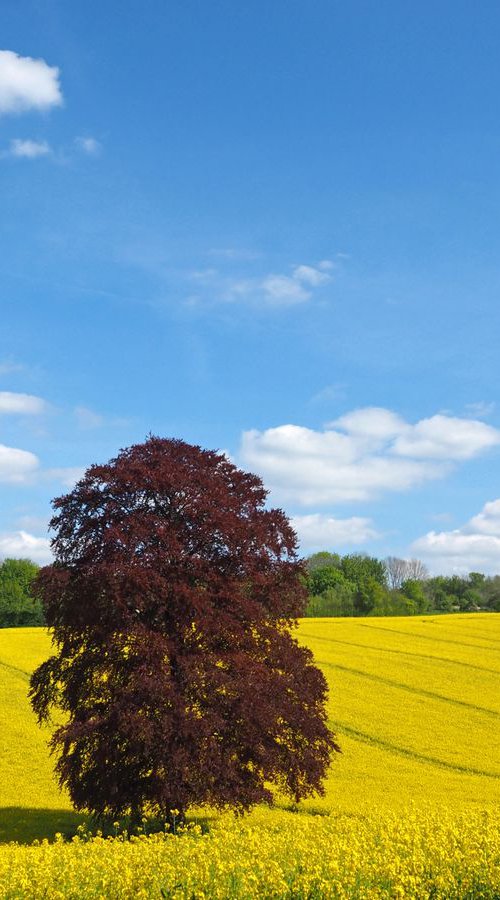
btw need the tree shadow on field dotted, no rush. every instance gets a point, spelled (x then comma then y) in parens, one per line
(24, 825)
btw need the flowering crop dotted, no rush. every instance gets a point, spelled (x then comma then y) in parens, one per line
(416, 704)
(294, 856)
(411, 808)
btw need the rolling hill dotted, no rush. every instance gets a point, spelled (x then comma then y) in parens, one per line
(415, 703)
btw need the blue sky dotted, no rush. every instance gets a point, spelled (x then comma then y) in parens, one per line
(268, 228)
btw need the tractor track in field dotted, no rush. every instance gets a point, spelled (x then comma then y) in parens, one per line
(425, 637)
(480, 637)
(25, 675)
(363, 737)
(446, 659)
(406, 687)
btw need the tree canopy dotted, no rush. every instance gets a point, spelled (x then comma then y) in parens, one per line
(18, 607)
(171, 601)
(360, 585)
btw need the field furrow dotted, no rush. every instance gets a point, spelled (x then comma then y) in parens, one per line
(407, 687)
(415, 703)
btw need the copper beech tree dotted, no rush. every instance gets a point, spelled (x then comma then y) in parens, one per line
(171, 602)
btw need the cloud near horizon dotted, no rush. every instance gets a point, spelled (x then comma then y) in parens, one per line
(27, 84)
(22, 545)
(478, 542)
(361, 455)
(317, 532)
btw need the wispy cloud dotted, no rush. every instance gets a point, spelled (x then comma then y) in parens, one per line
(330, 394)
(65, 475)
(87, 419)
(480, 410)
(88, 145)
(239, 254)
(21, 404)
(473, 547)
(28, 149)
(288, 290)
(361, 455)
(9, 366)
(27, 84)
(274, 290)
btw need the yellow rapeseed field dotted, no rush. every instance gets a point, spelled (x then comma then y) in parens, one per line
(419, 855)
(411, 808)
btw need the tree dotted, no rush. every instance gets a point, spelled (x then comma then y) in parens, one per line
(400, 570)
(17, 604)
(336, 600)
(321, 579)
(357, 568)
(371, 598)
(416, 570)
(396, 571)
(171, 600)
(323, 559)
(412, 589)
(477, 580)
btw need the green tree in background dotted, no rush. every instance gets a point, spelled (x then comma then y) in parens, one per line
(361, 585)
(323, 559)
(371, 598)
(413, 591)
(18, 607)
(324, 578)
(357, 568)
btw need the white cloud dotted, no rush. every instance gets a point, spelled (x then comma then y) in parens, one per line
(27, 149)
(288, 290)
(27, 83)
(439, 437)
(272, 290)
(22, 545)
(310, 275)
(361, 455)
(281, 290)
(24, 404)
(317, 532)
(371, 423)
(446, 437)
(473, 547)
(17, 466)
(89, 145)
(488, 520)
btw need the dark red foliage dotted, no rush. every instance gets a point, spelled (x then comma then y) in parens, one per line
(171, 601)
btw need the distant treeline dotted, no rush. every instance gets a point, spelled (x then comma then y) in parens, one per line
(17, 605)
(352, 585)
(358, 585)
